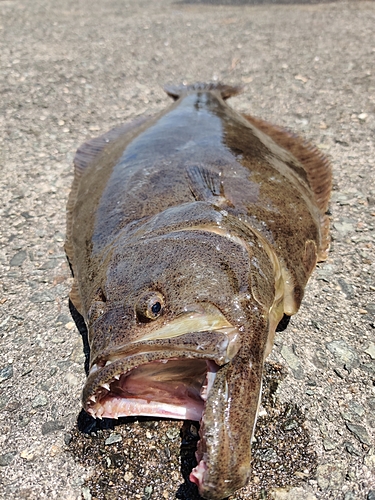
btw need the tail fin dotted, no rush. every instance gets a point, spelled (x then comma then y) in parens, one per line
(226, 91)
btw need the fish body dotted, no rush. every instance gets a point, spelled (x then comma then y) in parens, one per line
(190, 235)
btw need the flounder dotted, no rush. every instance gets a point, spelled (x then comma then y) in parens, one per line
(191, 236)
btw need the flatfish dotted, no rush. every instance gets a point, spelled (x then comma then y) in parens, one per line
(191, 236)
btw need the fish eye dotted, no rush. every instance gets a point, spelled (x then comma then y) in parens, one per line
(149, 306)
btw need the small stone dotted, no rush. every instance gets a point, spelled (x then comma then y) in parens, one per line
(39, 401)
(128, 476)
(69, 325)
(320, 359)
(27, 454)
(18, 259)
(71, 379)
(362, 117)
(371, 495)
(173, 434)
(67, 438)
(148, 435)
(113, 438)
(343, 353)
(356, 408)
(329, 445)
(291, 494)
(49, 264)
(346, 288)
(7, 458)
(369, 460)
(370, 350)
(6, 373)
(329, 476)
(352, 450)
(54, 450)
(148, 492)
(344, 227)
(86, 493)
(360, 432)
(293, 362)
(38, 298)
(52, 426)
(350, 495)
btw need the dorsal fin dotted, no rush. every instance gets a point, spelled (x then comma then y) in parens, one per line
(226, 91)
(315, 164)
(89, 150)
(85, 155)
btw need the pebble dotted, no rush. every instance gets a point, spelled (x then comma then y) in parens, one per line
(67, 438)
(39, 401)
(360, 432)
(86, 493)
(369, 460)
(371, 495)
(329, 476)
(291, 494)
(52, 426)
(7, 458)
(173, 434)
(128, 476)
(370, 350)
(352, 450)
(148, 492)
(6, 373)
(38, 298)
(18, 259)
(329, 445)
(113, 438)
(350, 495)
(27, 454)
(344, 227)
(293, 362)
(343, 353)
(49, 264)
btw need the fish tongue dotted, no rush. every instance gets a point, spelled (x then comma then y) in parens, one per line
(226, 429)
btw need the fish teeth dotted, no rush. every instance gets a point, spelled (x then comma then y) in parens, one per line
(92, 398)
(105, 385)
(117, 377)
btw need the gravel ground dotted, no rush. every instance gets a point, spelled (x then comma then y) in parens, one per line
(74, 69)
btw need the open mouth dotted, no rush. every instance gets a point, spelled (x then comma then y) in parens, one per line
(170, 388)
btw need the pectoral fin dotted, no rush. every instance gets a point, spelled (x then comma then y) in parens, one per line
(206, 185)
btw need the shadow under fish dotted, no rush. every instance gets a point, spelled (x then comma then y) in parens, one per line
(191, 236)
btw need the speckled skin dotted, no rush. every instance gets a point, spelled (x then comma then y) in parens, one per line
(244, 236)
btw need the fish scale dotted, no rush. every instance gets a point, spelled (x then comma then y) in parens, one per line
(191, 236)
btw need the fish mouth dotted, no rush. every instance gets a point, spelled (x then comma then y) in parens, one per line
(167, 387)
(168, 374)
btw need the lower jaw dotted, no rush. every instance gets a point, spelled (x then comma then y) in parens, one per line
(120, 407)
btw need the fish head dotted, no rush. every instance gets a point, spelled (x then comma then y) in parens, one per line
(177, 333)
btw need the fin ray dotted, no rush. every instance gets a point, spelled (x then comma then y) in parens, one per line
(315, 164)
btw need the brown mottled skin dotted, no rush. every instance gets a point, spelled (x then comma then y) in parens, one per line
(142, 216)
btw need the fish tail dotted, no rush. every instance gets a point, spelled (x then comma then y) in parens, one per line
(226, 91)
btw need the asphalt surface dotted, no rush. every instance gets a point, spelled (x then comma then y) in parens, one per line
(72, 70)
